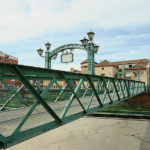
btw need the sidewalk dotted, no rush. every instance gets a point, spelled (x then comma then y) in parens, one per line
(93, 133)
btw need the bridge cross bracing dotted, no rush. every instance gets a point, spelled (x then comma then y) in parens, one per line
(81, 95)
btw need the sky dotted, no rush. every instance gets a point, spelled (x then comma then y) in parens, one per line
(121, 27)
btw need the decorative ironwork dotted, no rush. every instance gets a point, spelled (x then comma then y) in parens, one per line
(87, 45)
(67, 46)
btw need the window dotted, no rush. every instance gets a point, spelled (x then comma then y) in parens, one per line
(135, 75)
(130, 66)
(6, 57)
(102, 68)
(102, 74)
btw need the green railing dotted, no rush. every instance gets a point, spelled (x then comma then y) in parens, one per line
(33, 107)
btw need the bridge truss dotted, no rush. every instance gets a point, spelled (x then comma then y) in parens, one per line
(48, 108)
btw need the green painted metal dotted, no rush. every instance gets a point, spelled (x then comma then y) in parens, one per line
(121, 86)
(61, 92)
(86, 89)
(34, 92)
(94, 90)
(131, 88)
(38, 85)
(13, 92)
(127, 88)
(91, 58)
(97, 85)
(32, 108)
(25, 118)
(74, 94)
(8, 101)
(61, 112)
(49, 54)
(115, 88)
(100, 88)
(89, 48)
(145, 113)
(107, 90)
(124, 71)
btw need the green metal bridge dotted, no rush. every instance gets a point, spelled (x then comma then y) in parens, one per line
(83, 94)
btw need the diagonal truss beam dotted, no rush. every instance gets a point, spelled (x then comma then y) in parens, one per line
(106, 91)
(34, 92)
(115, 88)
(74, 94)
(94, 90)
(32, 108)
(97, 85)
(9, 100)
(86, 89)
(62, 90)
(13, 92)
(122, 90)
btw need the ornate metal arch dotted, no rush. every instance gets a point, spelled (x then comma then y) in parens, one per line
(66, 46)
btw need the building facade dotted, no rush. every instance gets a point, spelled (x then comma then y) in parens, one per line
(135, 72)
(130, 69)
(5, 58)
(84, 66)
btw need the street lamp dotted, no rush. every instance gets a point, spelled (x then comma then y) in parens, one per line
(90, 35)
(96, 48)
(40, 52)
(47, 55)
(91, 48)
(47, 45)
(84, 41)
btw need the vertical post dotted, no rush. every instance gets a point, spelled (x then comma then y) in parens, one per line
(148, 78)
(123, 73)
(88, 60)
(118, 74)
(47, 60)
(138, 75)
(91, 59)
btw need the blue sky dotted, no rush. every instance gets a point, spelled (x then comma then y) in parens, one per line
(122, 28)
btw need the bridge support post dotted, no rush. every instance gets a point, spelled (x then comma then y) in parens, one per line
(148, 78)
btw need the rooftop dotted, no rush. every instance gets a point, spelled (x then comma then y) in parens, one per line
(4, 54)
(130, 61)
(108, 63)
(104, 63)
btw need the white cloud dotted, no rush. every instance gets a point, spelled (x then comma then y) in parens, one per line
(30, 18)
(25, 19)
